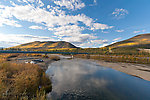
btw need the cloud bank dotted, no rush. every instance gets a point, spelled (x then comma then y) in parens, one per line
(53, 17)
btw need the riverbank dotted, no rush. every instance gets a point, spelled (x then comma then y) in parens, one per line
(40, 60)
(20, 81)
(141, 70)
(22, 76)
(138, 70)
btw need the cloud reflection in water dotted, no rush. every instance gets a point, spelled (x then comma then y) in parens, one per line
(76, 77)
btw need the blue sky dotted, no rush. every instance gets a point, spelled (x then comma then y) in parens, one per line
(85, 23)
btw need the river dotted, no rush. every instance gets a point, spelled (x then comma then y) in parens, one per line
(79, 79)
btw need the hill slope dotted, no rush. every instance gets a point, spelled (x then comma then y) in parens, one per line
(132, 45)
(45, 45)
(139, 41)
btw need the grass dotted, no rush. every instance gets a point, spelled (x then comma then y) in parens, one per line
(140, 59)
(128, 44)
(22, 81)
(55, 58)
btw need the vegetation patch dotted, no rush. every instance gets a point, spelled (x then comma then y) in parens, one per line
(23, 81)
(55, 58)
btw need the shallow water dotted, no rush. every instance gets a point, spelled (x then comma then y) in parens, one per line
(79, 79)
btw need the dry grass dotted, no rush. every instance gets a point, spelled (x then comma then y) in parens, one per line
(22, 81)
(55, 58)
(128, 44)
(7, 57)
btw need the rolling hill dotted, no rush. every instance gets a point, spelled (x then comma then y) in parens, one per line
(130, 46)
(134, 44)
(37, 45)
(139, 41)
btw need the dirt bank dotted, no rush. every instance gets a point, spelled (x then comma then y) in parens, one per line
(138, 70)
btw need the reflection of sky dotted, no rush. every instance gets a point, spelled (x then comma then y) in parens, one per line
(72, 76)
(82, 78)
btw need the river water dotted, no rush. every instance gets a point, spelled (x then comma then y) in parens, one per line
(79, 79)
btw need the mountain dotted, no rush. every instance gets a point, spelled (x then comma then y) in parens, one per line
(45, 45)
(132, 46)
(139, 41)
(1, 48)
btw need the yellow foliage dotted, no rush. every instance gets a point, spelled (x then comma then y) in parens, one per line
(128, 44)
(144, 39)
(33, 45)
(42, 44)
(63, 49)
(53, 45)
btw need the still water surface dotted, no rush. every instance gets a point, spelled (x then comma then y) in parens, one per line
(79, 79)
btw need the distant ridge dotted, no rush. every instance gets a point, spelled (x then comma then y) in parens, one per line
(129, 46)
(134, 45)
(139, 41)
(45, 45)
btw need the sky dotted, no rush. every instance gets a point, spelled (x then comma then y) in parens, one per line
(84, 23)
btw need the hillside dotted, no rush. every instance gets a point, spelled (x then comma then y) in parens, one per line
(140, 41)
(130, 46)
(133, 45)
(37, 45)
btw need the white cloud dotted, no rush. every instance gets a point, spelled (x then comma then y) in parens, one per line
(79, 39)
(38, 3)
(94, 3)
(136, 31)
(84, 40)
(116, 39)
(120, 13)
(139, 31)
(36, 27)
(5, 18)
(38, 15)
(48, 6)
(67, 30)
(64, 26)
(119, 31)
(95, 43)
(16, 39)
(70, 4)
(97, 26)
(5, 21)
(105, 32)
(104, 45)
(99, 41)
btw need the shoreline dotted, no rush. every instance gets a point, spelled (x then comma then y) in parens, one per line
(138, 70)
(43, 65)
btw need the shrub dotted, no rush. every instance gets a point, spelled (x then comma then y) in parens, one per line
(53, 57)
(22, 81)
